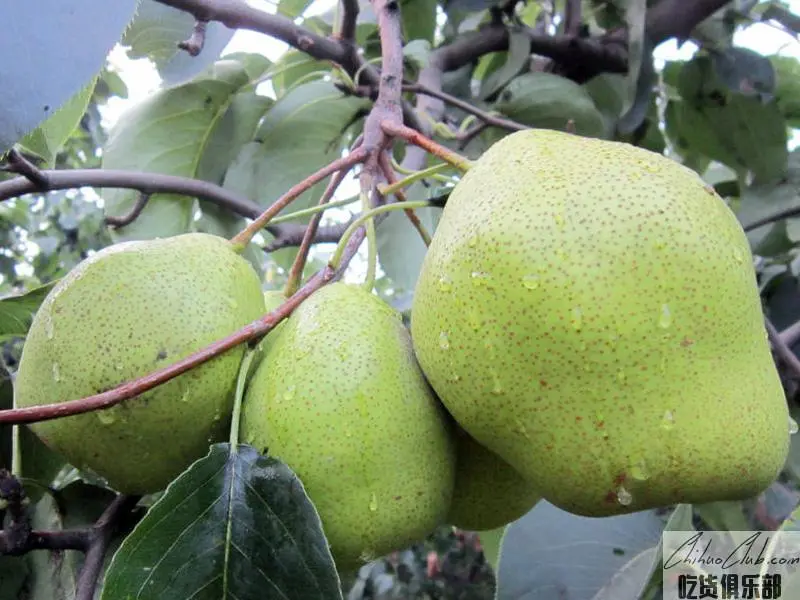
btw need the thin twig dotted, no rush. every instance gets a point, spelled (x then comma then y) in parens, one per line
(17, 163)
(465, 138)
(101, 535)
(356, 156)
(347, 24)
(117, 222)
(391, 177)
(194, 45)
(572, 17)
(296, 270)
(782, 349)
(791, 334)
(414, 137)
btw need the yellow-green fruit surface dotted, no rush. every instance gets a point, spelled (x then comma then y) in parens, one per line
(488, 493)
(340, 398)
(589, 311)
(128, 310)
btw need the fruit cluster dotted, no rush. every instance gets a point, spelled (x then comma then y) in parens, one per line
(586, 329)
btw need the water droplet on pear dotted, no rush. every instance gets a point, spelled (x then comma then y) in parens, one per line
(624, 497)
(444, 341)
(665, 317)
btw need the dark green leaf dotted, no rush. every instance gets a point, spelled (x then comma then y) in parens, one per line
(723, 516)
(294, 67)
(39, 463)
(235, 525)
(491, 541)
(57, 49)
(744, 71)
(419, 19)
(607, 91)
(16, 312)
(550, 101)
(519, 53)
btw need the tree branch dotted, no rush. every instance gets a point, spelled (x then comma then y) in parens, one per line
(347, 24)
(101, 535)
(782, 350)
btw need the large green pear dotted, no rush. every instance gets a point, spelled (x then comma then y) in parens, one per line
(130, 309)
(588, 311)
(488, 492)
(340, 398)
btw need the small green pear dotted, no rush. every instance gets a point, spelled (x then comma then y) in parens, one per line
(588, 311)
(130, 309)
(340, 398)
(488, 492)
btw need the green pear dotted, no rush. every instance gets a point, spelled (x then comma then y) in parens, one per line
(340, 398)
(488, 492)
(588, 311)
(130, 309)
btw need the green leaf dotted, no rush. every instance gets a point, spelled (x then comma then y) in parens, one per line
(400, 247)
(723, 516)
(293, 8)
(39, 463)
(236, 525)
(607, 91)
(490, 542)
(419, 19)
(787, 89)
(417, 51)
(737, 130)
(586, 555)
(293, 67)
(53, 49)
(170, 132)
(549, 101)
(46, 140)
(300, 134)
(519, 53)
(16, 312)
(759, 201)
(632, 579)
(744, 71)
(156, 32)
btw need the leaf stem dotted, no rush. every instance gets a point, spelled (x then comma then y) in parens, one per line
(372, 249)
(387, 190)
(366, 216)
(312, 210)
(244, 369)
(415, 137)
(241, 239)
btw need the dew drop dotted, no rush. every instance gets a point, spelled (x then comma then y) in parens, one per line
(522, 429)
(497, 386)
(530, 282)
(106, 417)
(665, 317)
(445, 284)
(444, 341)
(454, 378)
(48, 328)
(793, 427)
(624, 496)
(373, 502)
(577, 318)
(481, 278)
(56, 373)
(232, 303)
(621, 376)
(639, 470)
(668, 420)
(288, 395)
(737, 254)
(560, 222)
(473, 241)
(119, 366)
(348, 434)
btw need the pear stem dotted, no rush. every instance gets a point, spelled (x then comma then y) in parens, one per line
(241, 239)
(388, 172)
(372, 249)
(413, 136)
(313, 210)
(336, 258)
(244, 369)
(387, 190)
(296, 271)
